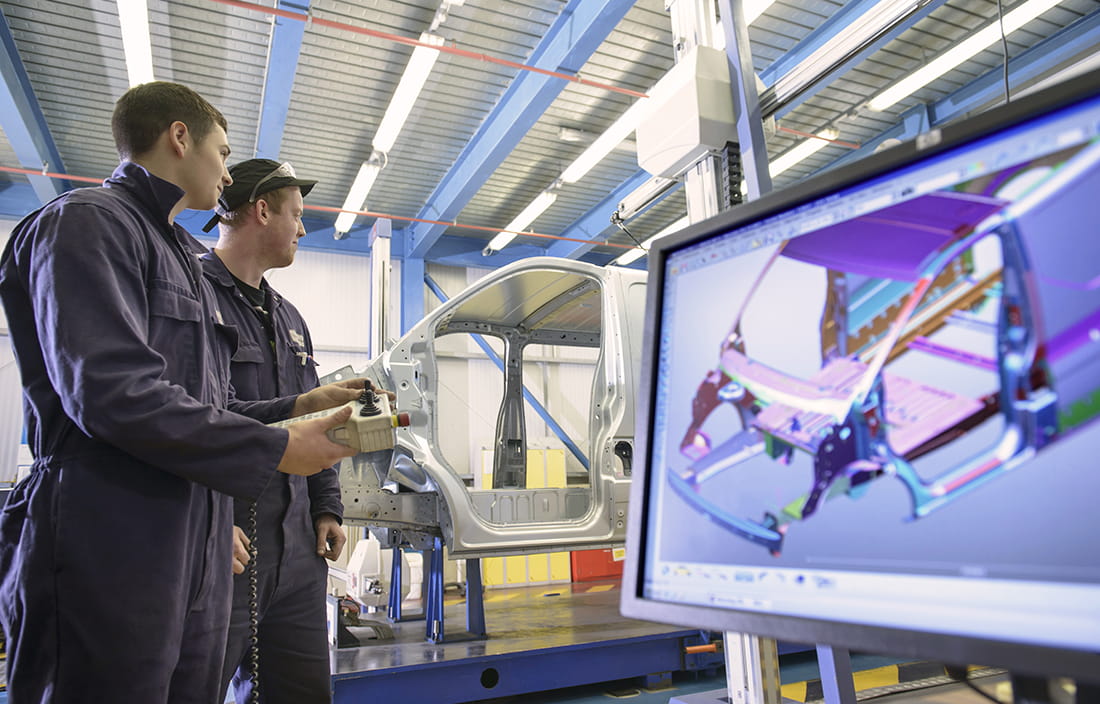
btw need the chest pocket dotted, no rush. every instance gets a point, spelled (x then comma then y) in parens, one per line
(253, 379)
(223, 351)
(299, 368)
(175, 331)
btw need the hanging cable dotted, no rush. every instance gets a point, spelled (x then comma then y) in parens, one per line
(618, 222)
(1004, 48)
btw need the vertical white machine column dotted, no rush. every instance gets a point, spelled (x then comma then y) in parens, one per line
(380, 240)
(752, 663)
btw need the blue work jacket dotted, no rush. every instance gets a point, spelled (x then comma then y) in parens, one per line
(125, 367)
(261, 370)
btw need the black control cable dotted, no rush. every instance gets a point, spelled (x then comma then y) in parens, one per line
(253, 610)
(617, 221)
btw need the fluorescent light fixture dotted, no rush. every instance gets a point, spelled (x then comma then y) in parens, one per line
(638, 252)
(753, 9)
(534, 209)
(408, 89)
(616, 133)
(802, 151)
(961, 52)
(133, 18)
(401, 104)
(357, 196)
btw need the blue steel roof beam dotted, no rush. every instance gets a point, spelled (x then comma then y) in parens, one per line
(1047, 55)
(580, 29)
(23, 121)
(596, 220)
(821, 36)
(1078, 39)
(282, 65)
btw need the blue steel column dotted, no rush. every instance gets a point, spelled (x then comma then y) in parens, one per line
(412, 291)
(434, 609)
(394, 610)
(475, 599)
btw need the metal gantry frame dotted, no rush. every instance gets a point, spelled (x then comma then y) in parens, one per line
(752, 663)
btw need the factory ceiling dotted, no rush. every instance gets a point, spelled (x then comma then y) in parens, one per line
(516, 94)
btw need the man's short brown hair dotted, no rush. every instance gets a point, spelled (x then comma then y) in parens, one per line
(275, 200)
(143, 113)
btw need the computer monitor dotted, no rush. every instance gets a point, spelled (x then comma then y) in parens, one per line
(870, 403)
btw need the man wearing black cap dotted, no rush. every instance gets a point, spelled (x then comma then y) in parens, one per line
(297, 520)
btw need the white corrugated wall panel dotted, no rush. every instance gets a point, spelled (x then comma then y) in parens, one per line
(11, 390)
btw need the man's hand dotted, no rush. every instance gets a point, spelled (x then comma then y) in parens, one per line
(240, 550)
(309, 449)
(335, 394)
(328, 396)
(330, 536)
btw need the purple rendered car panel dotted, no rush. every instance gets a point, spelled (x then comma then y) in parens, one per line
(894, 242)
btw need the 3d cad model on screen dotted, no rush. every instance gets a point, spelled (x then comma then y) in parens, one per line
(950, 337)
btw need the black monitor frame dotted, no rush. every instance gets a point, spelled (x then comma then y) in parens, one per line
(1025, 659)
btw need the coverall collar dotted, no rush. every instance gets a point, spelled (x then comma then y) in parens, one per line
(216, 269)
(156, 194)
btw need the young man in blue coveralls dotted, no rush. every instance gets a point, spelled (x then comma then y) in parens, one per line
(297, 519)
(115, 553)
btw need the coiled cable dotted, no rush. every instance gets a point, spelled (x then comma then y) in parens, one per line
(253, 610)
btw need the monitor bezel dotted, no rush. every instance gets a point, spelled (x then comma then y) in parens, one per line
(1023, 658)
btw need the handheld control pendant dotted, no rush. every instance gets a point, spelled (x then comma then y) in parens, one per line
(370, 427)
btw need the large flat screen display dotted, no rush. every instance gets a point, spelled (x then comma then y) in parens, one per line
(872, 403)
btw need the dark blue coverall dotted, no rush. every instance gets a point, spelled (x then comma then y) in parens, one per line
(115, 553)
(291, 576)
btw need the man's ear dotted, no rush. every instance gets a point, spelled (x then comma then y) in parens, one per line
(262, 211)
(179, 138)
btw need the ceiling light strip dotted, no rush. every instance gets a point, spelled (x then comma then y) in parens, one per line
(962, 51)
(802, 151)
(527, 216)
(800, 133)
(480, 228)
(413, 42)
(133, 19)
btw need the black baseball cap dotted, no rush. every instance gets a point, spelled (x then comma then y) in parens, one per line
(252, 179)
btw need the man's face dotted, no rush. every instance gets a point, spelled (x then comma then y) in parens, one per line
(280, 237)
(206, 174)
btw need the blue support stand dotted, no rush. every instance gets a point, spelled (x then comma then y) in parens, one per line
(435, 631)
(394, 606)
(434, 608)
(475, 601)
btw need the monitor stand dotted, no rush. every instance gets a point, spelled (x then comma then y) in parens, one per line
(835, 666)
(752, 671)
